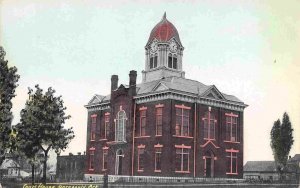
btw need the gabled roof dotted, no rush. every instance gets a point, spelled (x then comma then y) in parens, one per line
(213, 92)
(260, 166)
(98, 99)
(9, 163)
(175, 84)
(296, 158)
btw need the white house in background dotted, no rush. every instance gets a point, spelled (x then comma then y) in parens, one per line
(10, 169)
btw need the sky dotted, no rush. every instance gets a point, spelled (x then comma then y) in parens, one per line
(249, 49)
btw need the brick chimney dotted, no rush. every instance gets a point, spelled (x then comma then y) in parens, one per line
(132, 82)
(114, 82)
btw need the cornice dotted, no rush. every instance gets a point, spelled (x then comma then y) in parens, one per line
(175, 95)
(187, 97)
(99, 106)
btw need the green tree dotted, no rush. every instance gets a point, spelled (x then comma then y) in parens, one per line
(281, 142)
(28, 146)
(8, 84)
(43, 118)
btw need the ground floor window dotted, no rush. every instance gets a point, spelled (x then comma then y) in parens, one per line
(91, 159)
(231, 161)
(157, 159)
(182, 158)
(141, 157)
(104, 158)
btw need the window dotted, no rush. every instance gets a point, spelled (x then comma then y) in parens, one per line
(120, 126)
(143, 121)
(159, 121)
(209, 125)
(172, 61)
(157, 158)
(231, 161)
(182, 160)
(182, 120)
(104, 158)
(141, 157)
(91, 166)
(106, 125)
(231, 127)
(153, 61)
(93, 127)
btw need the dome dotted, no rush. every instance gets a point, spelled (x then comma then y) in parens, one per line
(164, 31)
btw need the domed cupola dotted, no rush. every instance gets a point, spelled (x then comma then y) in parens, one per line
(164, 31)
(163, 52)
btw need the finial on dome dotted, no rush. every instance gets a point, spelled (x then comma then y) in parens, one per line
(164, 16)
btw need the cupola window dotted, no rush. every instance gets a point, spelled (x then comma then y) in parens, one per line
(153, 61)
(172, 61)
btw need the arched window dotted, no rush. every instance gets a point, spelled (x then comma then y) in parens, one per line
(120, 126)
(172, 61)
(153, 61)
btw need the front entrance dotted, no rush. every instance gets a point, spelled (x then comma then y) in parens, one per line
(119, 159)
(208, 167)
(209, 164)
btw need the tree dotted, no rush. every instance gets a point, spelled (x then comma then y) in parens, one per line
(8, 84)
(43, 118)
(28, 146)
(281, 142)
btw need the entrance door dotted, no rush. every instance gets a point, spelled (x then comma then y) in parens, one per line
(119, 159)
(120, 165)
(208, 167)
(209, 164)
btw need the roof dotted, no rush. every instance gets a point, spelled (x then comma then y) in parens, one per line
(9, 163)
(173, 83)
(296, 158)
(164, 31)
(260, 166)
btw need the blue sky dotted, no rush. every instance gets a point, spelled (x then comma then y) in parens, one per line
(75, 46)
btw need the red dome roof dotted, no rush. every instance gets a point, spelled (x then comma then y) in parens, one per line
(164, 31)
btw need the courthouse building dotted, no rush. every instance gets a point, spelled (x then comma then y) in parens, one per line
(167, 125)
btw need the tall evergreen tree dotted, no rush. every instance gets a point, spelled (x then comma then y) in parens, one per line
(42, 120)
(8, 84)
(281, 142)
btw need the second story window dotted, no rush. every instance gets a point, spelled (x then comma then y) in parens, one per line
(120, 126)
(159, 121)
(143, 123)
(172, 61)
(182, 120)
(209, 125)
(93, 127)
(106, 125)
(231, 127)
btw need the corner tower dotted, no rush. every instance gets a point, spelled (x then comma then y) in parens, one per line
(163, 52)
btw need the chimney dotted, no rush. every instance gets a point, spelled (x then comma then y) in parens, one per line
(132, 82)
(78, 153)
(114, 82)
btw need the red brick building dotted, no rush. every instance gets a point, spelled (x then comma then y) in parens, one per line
(167, 125)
